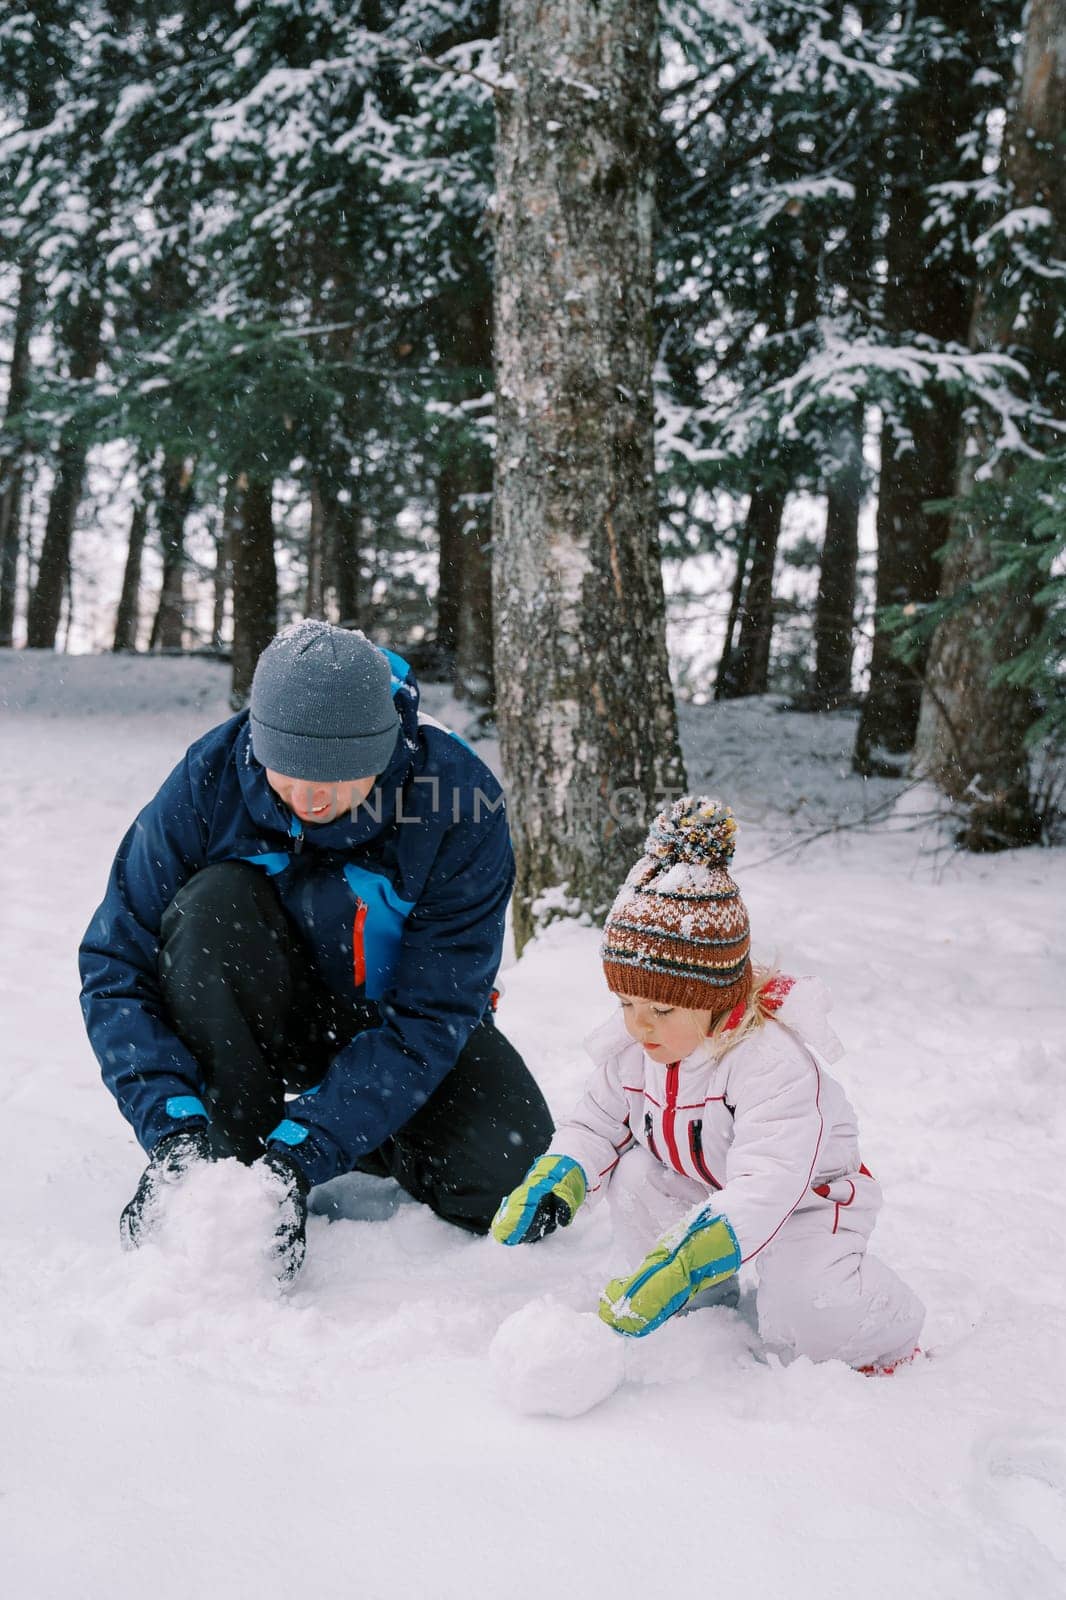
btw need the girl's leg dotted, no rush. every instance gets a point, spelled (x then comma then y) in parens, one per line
(823, 1296)
(645, 1198)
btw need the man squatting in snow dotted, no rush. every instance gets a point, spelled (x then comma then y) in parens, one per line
(294, 960)
(712, 1128)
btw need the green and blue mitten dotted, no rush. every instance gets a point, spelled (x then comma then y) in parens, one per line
(682, 1263)
(546, 1199)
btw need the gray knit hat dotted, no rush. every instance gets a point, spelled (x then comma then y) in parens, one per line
(321, 706)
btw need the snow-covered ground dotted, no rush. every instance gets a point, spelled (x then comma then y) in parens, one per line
(170, 1425)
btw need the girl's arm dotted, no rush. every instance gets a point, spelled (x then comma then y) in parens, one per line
(597, 1134)
(576, 1166)
(775, 1088)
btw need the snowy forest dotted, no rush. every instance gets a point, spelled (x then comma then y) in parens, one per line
(249, 338)
(679, 387)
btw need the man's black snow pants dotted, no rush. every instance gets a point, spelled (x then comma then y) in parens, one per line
(243, 995)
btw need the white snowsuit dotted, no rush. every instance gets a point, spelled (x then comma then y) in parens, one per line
(772, 1137)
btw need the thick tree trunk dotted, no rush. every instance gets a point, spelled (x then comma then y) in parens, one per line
(931, 296)
(168, 629)
(54, 565)
(127, 616)
(834, 613)
(11, 460)
(748, 668)
(255, 586)
(971, 737)
(588, 726)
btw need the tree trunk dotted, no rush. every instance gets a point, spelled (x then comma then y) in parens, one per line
(54, 564)
(255, 586)
(127, 617)
(224, 542)
(450, 560)
(929, 295)
(473, 680)
(834, 613)
(735, 597)
(11, 461)
(588, 726)
(920, 448)
(315, 599)
(168, 629)
(748, 668)
(464, 495)
(341, 538)
(971, 737)
(464, 601)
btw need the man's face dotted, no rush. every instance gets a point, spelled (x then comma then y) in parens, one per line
(319, 802)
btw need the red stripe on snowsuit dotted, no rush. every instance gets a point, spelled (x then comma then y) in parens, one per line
(673, 1073)
(823, 1191)
(358, 947)
(699, 1160)
(621, 1149)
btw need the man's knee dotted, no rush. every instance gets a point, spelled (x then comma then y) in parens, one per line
(476, 1138)
(221, 902)
(469, 1181)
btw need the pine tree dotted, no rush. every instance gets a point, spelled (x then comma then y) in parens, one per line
(783, 125)
(979, 707)
(933, 141)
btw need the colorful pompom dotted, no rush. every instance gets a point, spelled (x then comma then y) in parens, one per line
(694, 829)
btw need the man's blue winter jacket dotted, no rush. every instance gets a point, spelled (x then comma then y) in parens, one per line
(402, 904)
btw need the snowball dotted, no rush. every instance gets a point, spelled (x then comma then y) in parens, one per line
(551, 1361)
(216, 1229)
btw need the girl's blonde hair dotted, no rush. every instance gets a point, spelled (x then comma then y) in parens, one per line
(723, 1034)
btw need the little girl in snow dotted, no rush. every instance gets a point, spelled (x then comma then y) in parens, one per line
(712, 1127)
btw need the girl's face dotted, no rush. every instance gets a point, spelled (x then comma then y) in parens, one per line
(668, 1033)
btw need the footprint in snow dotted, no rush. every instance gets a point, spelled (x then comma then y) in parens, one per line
(1024, 1482)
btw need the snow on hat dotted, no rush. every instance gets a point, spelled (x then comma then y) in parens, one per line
(321, 705)
(678, 932)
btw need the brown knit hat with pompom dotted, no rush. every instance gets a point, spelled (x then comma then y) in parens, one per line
(678, 932)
